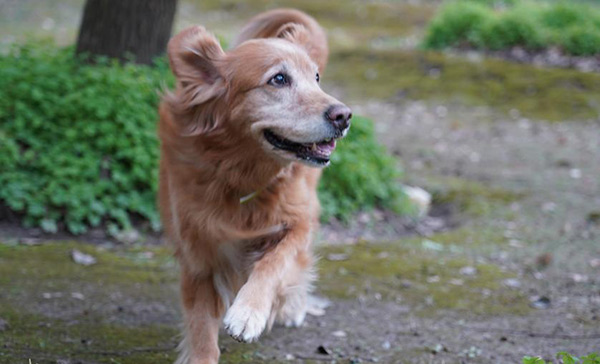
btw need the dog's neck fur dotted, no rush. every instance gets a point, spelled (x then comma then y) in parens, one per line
(235, 164)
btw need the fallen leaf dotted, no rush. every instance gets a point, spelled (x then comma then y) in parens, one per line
(323, 350)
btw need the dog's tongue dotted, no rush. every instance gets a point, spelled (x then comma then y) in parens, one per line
(324, 148)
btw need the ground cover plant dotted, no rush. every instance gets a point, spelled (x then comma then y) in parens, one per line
(495, 25)
(565, 358)
(78, 145)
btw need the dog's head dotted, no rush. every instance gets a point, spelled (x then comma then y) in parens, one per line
(270, 88)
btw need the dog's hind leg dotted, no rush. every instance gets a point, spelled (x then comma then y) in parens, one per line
(203, 311)
(294, 298)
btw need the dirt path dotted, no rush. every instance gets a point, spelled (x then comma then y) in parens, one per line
(520, 275)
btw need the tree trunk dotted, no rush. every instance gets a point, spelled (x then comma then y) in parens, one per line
(135, 30)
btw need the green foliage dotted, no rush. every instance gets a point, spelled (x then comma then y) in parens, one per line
(78, 144)
(582, 41)
(456, 23)
(361, 176)
(564, 358)
(495, 25)
(77, 141)
(509, 29)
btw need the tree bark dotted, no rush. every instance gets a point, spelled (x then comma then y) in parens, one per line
(136, 30)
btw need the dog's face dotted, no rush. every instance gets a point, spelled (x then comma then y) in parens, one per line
(272, 87)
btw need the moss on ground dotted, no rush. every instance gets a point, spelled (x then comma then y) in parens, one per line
(425, 280)
(471, 197)
(45, 330)
(541, 93)
(45, 341)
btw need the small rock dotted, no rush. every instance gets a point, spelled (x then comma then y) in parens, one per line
(50, 295)
(579, 278)
(405, 283)
(30, 241)
(431, 245)
(383, 255)
(472, 352)
(456, 282)
(289, 357)
(515, 243)
(540, 303)
(512, 283)
(3, 325)
(595, 263)
(386, 345)
(548, 207)
(82, 258)
(468, 271)
(433, 279)
(130, 236)
(337, 257)
(575, 173)
(78, 296)
(420, 198)
(339, 333)
(438, 349)
(63, 361)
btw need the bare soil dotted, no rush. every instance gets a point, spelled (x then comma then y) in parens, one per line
(507, 265)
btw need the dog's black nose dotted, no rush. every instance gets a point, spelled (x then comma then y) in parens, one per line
(339, 115)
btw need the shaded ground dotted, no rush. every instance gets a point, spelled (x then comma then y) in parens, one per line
(526, 194)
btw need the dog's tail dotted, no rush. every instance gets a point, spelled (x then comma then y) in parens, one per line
(271, 24)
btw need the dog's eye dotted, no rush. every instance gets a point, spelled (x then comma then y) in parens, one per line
(279, 80)
(318, 78)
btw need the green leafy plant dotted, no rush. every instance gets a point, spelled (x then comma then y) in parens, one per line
(78, 145)
(564, 358)
(496, 25)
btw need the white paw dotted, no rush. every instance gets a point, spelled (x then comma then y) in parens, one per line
(244, 323)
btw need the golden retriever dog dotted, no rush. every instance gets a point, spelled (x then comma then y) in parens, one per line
(243, 137)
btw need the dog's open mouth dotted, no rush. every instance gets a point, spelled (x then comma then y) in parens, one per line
(317, 153)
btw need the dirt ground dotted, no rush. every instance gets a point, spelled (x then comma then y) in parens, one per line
(507, 265)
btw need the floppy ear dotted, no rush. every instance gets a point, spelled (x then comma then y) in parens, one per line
(300, 35)
(194, 56)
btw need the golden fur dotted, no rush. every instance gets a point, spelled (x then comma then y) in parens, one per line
(246, 263)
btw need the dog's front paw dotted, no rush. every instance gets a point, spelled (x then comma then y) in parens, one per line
(245, 323)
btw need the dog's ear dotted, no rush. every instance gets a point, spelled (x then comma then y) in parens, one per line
(300, 35)
(194, 56)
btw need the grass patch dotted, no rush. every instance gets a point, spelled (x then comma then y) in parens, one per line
(547, 94)
(78, 145)
(571, 25)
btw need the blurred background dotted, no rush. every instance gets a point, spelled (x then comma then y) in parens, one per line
(461, 217)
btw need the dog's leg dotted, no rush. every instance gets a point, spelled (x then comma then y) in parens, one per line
(294, 298)
(203, 311)
(249, 315)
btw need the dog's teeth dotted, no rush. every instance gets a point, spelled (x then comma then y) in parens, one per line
(314, 146)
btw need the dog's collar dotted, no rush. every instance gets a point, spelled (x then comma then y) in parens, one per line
(248, 197)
